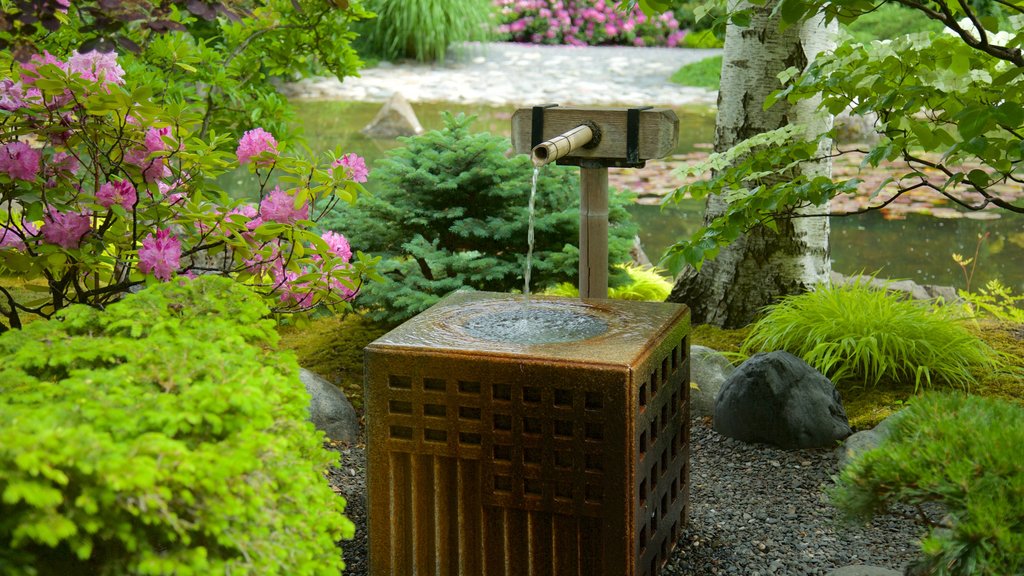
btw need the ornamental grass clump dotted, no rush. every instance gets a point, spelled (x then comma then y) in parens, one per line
(161, 436)
(962, 452)
(854, 333)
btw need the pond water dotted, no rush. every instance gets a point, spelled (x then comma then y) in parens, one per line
(919, 247)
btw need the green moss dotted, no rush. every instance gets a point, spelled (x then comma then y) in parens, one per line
(332, 348)
(727, 341)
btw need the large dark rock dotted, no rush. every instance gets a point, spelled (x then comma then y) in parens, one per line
(329, 410)
(778, 399)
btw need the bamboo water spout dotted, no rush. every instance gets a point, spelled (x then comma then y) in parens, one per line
(594, 139)
(584, 135)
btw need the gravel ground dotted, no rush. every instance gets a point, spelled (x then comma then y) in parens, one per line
(754, 511)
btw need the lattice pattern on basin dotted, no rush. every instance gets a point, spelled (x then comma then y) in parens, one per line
(662, 457)
(541, 447)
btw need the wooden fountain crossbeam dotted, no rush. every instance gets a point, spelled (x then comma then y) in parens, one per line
(594, 139)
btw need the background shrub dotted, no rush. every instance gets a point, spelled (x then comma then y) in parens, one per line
(161, 436)
(855, 332)
(588, 22)
(451, 213)
(642, 283)
(423, 29)
(962, 452)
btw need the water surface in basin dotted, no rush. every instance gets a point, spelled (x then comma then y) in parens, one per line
(535, 323)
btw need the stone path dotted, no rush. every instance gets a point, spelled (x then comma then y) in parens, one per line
(524, 74)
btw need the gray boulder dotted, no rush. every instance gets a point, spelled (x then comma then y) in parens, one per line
(778, 399)
(863, 570)
(329, 410)
(396, 118)
(865, 440)
(708, 370)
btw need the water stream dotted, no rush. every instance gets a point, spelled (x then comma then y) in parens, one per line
(529, 236)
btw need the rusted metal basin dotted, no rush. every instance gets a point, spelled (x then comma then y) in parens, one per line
(490, 453)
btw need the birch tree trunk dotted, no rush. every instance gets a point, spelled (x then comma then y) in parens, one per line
(762, 265)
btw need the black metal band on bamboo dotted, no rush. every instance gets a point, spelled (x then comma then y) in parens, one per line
(633, 134)
(537, 128)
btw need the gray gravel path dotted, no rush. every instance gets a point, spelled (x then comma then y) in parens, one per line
(755, 511)
(525, 74)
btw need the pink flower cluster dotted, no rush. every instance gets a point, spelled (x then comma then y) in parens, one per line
(65, 229)
(585, 22)
(117, 192)
(160, 255)
(355, 167)
(302, 293)
(279, 206)
(153, 167)
(13, 237)
(257, 143)
(97, 66)
(19, 161)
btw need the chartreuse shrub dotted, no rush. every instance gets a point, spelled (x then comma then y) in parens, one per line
(963, 452)
(854, 332)
(161, 436)
(450, 212)
(644, 283)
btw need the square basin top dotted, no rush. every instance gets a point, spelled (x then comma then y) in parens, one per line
(601, 332)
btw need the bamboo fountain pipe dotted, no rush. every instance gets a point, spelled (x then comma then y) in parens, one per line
(593, 271)
(562, 145)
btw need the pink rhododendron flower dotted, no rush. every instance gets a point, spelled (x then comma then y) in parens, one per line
(12, 95)
(155, 139)
(279, 206)
(355, 167)
(338, 245)
(63, 162)
(19, 160)
(118, 192)
(65, 229)
(160, 255)
(299, 293)
(254, 143)
(97, 66)
(12, 238)
(29, 76)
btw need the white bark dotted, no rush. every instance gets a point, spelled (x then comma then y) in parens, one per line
(762, 265)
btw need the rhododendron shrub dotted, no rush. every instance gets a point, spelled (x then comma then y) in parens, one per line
(103, 190)
(587, 22)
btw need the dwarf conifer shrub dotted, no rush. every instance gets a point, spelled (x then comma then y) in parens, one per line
(858, 333)
(161, 436)
(450, 212)
(963, 452)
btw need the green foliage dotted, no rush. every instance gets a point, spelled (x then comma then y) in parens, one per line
(995, 300)
(644, 283)
(889, 21)
(854, 332)
(964, 453)
(423, 29)
(706, 73)
(222, 60)
(161, 436)
(704, 39)
(967, 145)
(451, 213)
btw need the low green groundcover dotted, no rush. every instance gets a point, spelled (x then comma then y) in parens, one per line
(161, 436)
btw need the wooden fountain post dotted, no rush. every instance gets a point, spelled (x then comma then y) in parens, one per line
(594, 139)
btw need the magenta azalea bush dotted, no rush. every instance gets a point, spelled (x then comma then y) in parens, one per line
(586, 23)
(103, 189)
